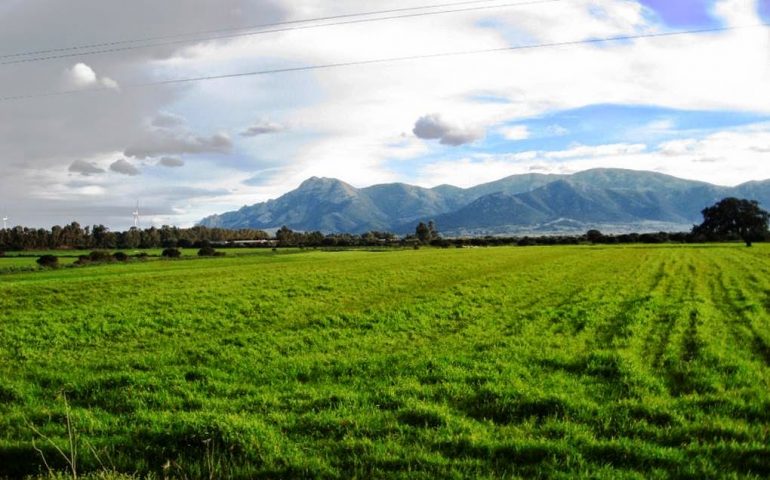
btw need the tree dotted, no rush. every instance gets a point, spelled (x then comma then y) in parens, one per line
(426, 233)
(285, 237)
(733, 216)
(594, 236)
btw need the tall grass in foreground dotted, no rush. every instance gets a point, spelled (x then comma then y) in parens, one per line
(574, 362)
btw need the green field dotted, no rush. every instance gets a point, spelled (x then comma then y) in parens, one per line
(553, 362)
(27, 260)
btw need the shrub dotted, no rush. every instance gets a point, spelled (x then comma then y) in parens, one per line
(171, 253)
(120, 257)
(48, 261)
(207, 251)
(100, 256)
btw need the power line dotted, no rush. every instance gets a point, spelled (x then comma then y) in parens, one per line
(113, 47)
(252, 27)
(509, 48)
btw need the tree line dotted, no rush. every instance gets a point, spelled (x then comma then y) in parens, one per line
(76, 236)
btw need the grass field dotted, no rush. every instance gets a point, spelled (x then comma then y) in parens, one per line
(24, 261)
(556, 362)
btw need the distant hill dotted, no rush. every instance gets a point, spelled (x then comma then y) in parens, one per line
(613, 200)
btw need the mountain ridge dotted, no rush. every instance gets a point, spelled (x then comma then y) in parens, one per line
(616, 200)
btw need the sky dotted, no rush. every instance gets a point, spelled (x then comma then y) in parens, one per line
(695, 106)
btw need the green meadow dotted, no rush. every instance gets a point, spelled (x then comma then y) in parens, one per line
(543, 362)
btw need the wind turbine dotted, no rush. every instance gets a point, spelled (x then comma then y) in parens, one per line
(136, 215)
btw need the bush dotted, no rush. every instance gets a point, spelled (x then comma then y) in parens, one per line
(120, 257)
(171, 253)
(207, 251)
(48, 261)
(99, 256)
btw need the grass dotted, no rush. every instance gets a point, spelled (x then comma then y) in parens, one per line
(26, 261)
(556, 362)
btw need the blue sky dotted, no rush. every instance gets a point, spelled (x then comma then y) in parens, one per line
(599, 124)
(683, 13)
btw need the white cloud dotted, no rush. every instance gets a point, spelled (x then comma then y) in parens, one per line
(737, 12)
(516, 132)
(83, 76)
(361, 109)
(680, 147)
(583, 151)
(729, 157)
(91, 191)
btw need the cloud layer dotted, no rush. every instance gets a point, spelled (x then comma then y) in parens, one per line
(195, 149)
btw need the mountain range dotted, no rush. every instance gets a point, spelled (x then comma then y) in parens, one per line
(611, 200)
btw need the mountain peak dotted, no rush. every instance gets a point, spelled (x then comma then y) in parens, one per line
(313, 181)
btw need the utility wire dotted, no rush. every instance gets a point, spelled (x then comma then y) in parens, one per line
(246, 31)
(591, 41)
(252, 27)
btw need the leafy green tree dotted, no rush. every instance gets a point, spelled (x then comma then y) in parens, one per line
(426, 233)
(423, 233)
(286, 237)
(594, 236)
(734, 216)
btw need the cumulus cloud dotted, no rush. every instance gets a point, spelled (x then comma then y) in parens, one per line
(263, 127)
(83, 76)
(171, 162)
(168, 120)
(124, 167)
(434, 127)
(162, 142)
(85, 168)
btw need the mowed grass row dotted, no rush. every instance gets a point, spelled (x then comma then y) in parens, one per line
(556, 362)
